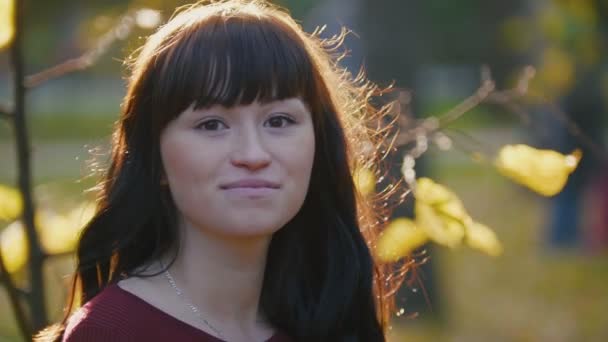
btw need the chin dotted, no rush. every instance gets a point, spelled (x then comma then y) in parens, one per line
(253, 226)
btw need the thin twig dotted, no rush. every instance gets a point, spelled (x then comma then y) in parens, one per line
(510, 99)
(469, 103)
(572, 128)
(118, 32)
(478, 147)
(507, 100)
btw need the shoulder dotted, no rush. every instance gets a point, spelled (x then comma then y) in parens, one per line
(111, 315)
(119, 315)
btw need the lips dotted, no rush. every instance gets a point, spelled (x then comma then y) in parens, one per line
(250, 189)
(250, 184)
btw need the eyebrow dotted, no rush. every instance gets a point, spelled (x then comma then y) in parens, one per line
(295, 104)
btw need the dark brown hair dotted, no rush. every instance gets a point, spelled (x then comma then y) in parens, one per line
(321, 282)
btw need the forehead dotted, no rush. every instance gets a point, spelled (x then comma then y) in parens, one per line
(235, 61)
(290, 105)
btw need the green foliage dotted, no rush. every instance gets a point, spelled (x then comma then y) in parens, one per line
(566, 37)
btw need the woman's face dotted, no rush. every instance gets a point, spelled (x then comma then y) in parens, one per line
(239, 171)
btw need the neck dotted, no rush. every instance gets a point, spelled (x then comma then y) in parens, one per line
(221, 275)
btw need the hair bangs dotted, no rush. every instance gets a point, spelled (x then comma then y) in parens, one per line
(232, 61)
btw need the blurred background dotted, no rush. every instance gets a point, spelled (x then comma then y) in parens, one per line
(551, 282)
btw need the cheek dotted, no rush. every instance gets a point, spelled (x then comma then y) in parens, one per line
(308, 156)
(187, 168)
(176, 163)
(299, 156)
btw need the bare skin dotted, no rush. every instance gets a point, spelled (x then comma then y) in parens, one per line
(237, 279)
(236, 175)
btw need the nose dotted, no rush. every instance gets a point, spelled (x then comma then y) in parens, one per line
(249, 151)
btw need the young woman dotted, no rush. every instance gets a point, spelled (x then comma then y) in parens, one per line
(229, 211)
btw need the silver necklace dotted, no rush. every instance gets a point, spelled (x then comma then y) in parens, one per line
(194, 309)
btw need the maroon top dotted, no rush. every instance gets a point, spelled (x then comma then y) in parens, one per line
(118, 315)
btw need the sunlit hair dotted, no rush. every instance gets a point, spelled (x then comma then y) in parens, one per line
(321, 283)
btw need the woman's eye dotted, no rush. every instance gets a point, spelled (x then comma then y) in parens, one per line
(211, 125)
(279, 121)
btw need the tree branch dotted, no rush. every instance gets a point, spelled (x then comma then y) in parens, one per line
(511, 99)
(118, 32)
(13, 296)
(36, 299)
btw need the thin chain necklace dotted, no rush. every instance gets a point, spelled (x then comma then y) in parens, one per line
(194, 309)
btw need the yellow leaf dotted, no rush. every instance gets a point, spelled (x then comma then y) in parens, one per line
(60, 233)
(399, 239)
(365, 181)
(481, 237)
(543, 171)
(439, 212)
(13, 247)
(10, 203)
(441, 216)
(441, 198)
(7, 29)
(430, 192)
(439, 228)
(57, 234)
